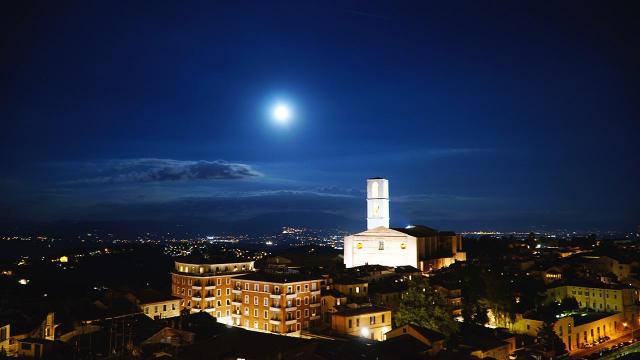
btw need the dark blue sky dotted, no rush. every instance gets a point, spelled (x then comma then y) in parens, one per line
(504, 112)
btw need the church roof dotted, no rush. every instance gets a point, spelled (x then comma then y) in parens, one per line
(418, 231)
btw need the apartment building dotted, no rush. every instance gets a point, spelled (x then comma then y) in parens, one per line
(371, 322)
(205, 285)
(278, 303)
(600, 297)
(155, 305)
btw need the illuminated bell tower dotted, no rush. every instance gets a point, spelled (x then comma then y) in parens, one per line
(377, 203)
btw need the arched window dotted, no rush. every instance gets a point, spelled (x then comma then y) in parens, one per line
(374, 190)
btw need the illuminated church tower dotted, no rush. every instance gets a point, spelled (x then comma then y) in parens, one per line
(377, 203)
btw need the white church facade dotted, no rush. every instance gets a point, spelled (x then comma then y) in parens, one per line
(419, 246)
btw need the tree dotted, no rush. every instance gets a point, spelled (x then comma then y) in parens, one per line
(499, 298)
(550, 340)
(424, 307)
(569, 304)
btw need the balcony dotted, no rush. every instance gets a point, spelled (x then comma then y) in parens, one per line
(290, 322)
(291, 308)
(236, 290)
(275, 295)
(194, 310)
(275, 321)
(275, 308)
(317, 317)
(210, 310)
(234, 315)
(210, 298)
(236, 302)
(315, 292)
(209, 287)
(196, 287)
(315, 304)
(197, 297)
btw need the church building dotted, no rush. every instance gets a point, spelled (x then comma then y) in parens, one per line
(418, 246)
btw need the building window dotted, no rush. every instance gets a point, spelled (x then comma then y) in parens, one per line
(256, 287)
(266, 288)
(246, 286)
(298, 288)
(228, 291)
(219, 292)
(218, 303)
(155, 309)
(528, 327)
(219, 281)
(357, 289)
(25, 346)
(255, 312)
(188, 303)
(228, 281)
(306, 313)
(189, 292)
(357, 322)
(189, 281)
(289, 290)
(266, 314)
(382, 317)
(246, 311)
(381, 245)
(276, 290)
(297, 301)
(182, 291)
(350, 324)
(372, 320)
(314, 286)
(146, 310)
(227, 313)
(266, 302)
(246, 299)
(173, 306)
(218, 314)
(164, 307)
(255, 300)
(228, 302)
(298, 314)
(616, 307)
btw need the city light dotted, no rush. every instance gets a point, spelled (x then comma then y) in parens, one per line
(365, 332)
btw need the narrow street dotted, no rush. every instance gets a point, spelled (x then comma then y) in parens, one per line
(581, 353)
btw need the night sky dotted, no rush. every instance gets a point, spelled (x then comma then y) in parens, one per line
(505, 113)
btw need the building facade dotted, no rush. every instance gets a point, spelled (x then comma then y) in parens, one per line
(204, 285)
(277, 303)
(371, 322)
(418, 246)
(600, 297)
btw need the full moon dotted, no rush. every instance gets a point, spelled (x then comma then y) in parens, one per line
(281, 113)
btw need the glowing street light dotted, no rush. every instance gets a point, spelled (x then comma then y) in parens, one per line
(364, 332)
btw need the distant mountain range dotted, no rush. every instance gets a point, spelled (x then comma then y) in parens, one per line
(180, 227)
(189, 227)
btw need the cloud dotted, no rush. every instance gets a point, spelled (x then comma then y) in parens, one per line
(166, 170)
(319, 191)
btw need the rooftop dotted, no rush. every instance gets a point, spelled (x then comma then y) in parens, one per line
(152, 296)
(361, 311)
(277, 278)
